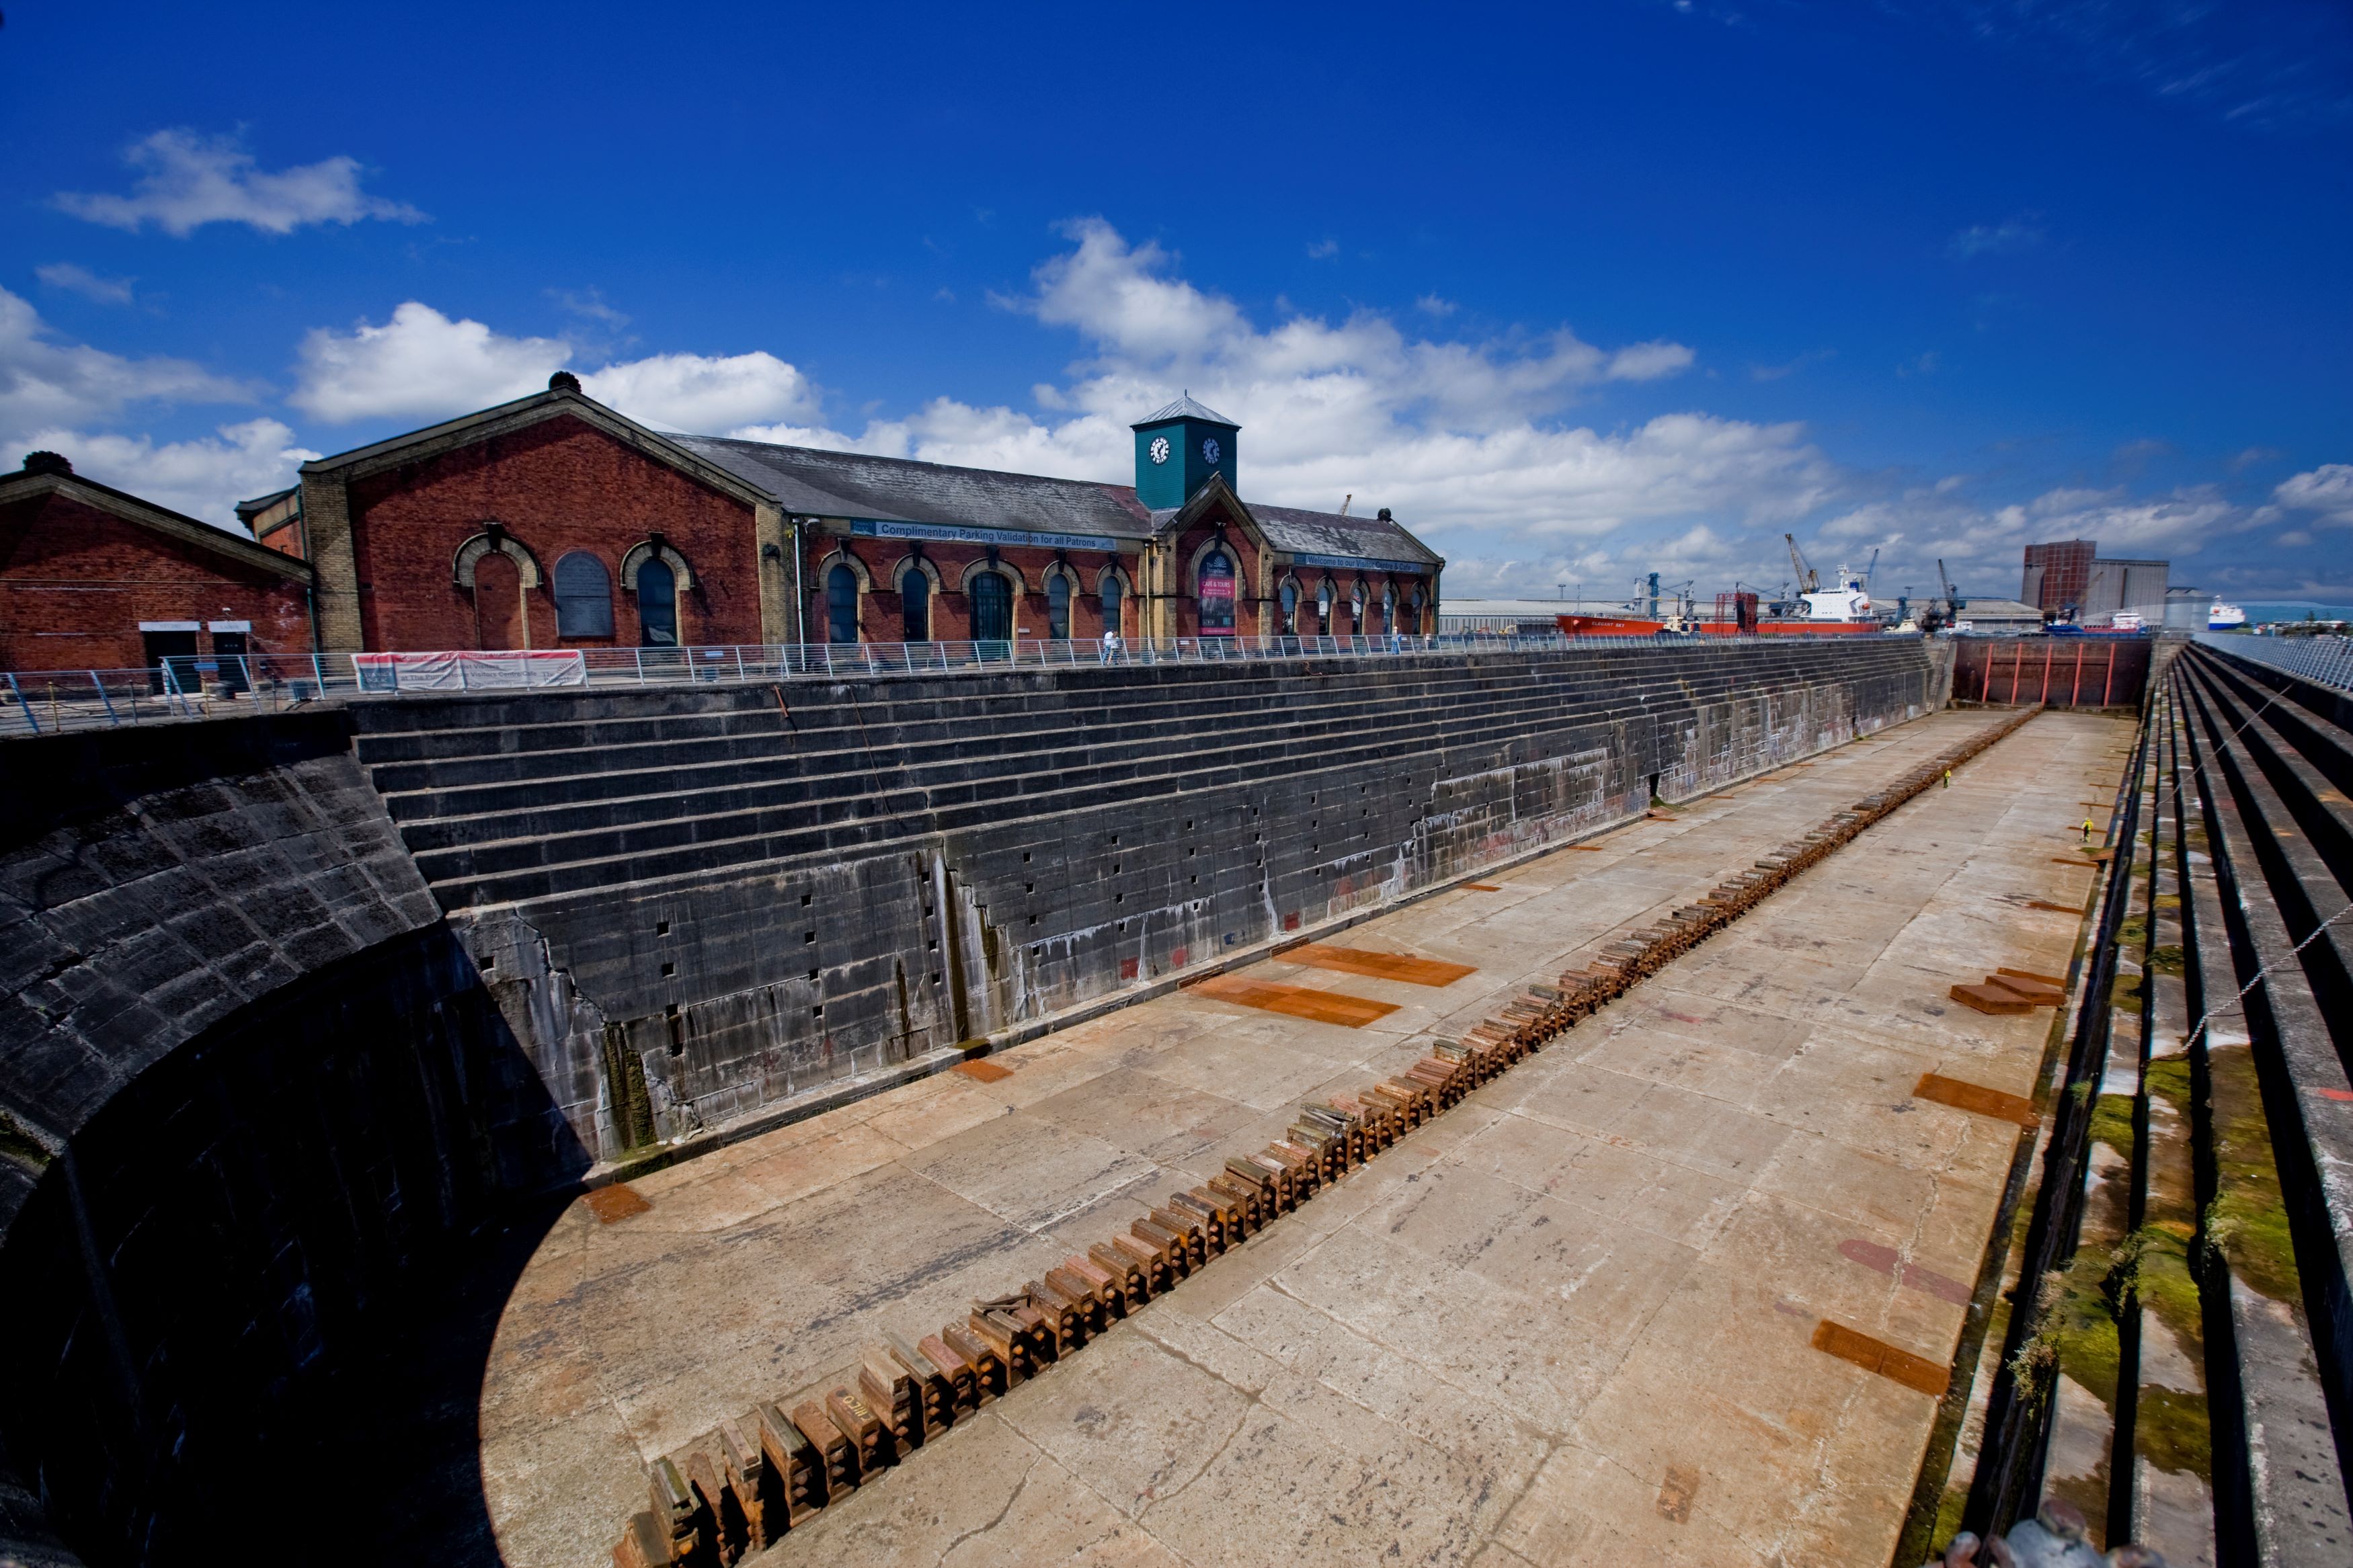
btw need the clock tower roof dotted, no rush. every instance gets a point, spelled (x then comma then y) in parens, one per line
(1185, 408)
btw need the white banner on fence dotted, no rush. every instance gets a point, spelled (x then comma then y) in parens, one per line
(500, 671)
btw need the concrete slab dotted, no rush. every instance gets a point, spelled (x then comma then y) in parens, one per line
(1572, 1319)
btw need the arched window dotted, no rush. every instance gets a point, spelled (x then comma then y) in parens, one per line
(1356, 609)
(841, 605)
(1057, 607)
(916, 603)
(1290, 601)
(992, 608)
(583, 597)
(1324, 597)
(657, 603)
(1217, 594)
(1388, 609)
(1111, 601)
(1413, 615)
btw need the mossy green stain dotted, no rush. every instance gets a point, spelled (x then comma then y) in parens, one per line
(2173, 1431)
(2247, 1221)
(2112, 1122)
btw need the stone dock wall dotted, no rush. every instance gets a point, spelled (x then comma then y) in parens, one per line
(296, 1005)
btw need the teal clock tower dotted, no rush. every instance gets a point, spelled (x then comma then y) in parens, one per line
(1179, 448)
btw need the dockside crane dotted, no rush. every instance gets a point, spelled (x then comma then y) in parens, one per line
(1870, 569)
(1808, 581)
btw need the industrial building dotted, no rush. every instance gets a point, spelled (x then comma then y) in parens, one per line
(2069, 580)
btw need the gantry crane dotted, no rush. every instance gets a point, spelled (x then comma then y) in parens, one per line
(1807, 582)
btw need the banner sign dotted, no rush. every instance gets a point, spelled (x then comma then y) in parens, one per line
(866, 528)
(1361, 562)
(504, 670)
(1216, 607)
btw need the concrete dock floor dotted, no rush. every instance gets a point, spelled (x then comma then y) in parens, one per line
(1574, 1319)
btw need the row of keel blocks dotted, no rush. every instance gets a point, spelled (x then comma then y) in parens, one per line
(772, 1470)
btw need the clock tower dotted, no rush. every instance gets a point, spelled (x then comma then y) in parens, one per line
(1177, 449)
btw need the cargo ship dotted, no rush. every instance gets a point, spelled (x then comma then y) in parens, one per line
(1843, 611)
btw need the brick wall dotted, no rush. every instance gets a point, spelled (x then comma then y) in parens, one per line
(557, 487)
(75, 581)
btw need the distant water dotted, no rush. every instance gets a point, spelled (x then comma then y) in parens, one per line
(2291, 610)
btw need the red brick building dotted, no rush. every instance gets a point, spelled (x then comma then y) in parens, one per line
(554, 522)
(91, 578)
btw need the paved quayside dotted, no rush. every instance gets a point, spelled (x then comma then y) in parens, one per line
(1574, 1317)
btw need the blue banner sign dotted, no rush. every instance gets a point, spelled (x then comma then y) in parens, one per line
(1362, 562)
(867, 528)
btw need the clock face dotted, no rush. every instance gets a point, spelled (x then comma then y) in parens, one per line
(1210, 449)
(1160, 449)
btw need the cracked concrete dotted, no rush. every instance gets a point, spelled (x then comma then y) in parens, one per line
(1569, 1321)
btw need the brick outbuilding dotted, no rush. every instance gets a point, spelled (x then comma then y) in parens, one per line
(92, 578)
(554, 522)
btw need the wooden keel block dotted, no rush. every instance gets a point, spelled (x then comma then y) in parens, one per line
(797, 1472)
(835, 1450)
(936, 1397)
(1110, 1288)
(747, 1477)
(963, 1387)
(891, 1393)
(1299, 1163)
(1045, 1339)
(1134, 1277)
(1005, 1340)
(1216, 1232)
(1171, 1246)
(643, 1544)
(677, 1510)
(718, 1514)
(1148, 1258)
(989, 1378)
(1094, 1312)
(856, 1420)
(1244, 1198)
(1187, 1228)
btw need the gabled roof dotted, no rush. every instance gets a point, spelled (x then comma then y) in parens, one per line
(900, 489)
(564, 398)
(1186, 409)
(27, 485)
(1329, 533)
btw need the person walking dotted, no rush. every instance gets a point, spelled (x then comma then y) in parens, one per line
(1948, 778)
(2088, 830)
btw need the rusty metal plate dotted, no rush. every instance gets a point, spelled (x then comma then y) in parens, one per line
(1975, 1098)
(1380, 965)
(1877, 1355)
(1991, 999)
(1297, 1001)
(618, 1202)
(984, 1070)
(1481, 888)
(2053, 980)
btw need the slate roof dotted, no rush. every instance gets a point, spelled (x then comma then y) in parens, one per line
(1329, 533)
(1186, 409)
(898, 489)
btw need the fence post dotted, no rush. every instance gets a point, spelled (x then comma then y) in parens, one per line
(104, 701)
(26, 707)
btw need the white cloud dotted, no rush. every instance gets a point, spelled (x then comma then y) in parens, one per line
(1648, 362)
(45, 382)
(2005, 239)
(2326, 489)
(204, 477)
(421, 364)
(1324, 250)
(79, 279)
(187, 179)
(1431, 305)
(699, 393)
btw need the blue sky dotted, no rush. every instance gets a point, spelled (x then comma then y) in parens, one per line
(1579, 292)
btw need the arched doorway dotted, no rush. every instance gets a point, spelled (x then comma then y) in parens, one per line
(1217, 577)
(1289, 600)
(657, 605)
(1111, 593)
(498, 602)
(992, 608)
(841, 605)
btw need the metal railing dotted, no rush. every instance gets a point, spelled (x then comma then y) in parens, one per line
(2326, 659)
(182, 686)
